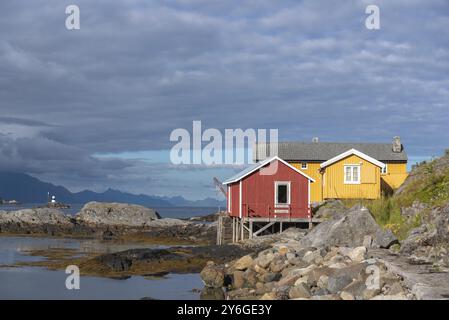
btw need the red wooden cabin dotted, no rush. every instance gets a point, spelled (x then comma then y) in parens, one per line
(269, 190)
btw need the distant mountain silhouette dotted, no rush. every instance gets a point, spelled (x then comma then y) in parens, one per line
(27, 189)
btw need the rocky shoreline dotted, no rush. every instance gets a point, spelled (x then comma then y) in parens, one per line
(109, 221)
(348, 257)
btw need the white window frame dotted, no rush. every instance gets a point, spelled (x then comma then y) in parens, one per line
(302, 165)
(289, 191)
(352, 173)
(384, 170)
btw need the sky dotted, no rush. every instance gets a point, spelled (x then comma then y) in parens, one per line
(94, 108)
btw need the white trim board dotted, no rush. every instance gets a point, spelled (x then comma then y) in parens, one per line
(349, 153)
(263, 163)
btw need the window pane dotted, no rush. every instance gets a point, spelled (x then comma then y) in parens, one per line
(282, 194)
(348, 174)
(355, 174)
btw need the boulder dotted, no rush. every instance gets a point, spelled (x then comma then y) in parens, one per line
(357, 254)
(331, 209)
(344, 295)
(336, 283)
(300, 290)
(312, 257)
(356, 288)
(212, 275)
(265, 258)
(349, 230)
(239, 279)
(323, 282)
(243, 263)
(384, 239)
(116, 214)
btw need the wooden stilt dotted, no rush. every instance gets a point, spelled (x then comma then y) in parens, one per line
(280, 227)
(250, 229)
(242, 236)
(233, 230)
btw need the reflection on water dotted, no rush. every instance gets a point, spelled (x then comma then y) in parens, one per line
(39, 283)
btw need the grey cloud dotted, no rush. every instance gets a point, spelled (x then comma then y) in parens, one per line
(137, 70)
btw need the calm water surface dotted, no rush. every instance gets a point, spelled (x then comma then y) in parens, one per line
(39, 283)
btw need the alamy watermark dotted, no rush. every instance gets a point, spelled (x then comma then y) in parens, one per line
(72, 22)
(372, 22)
(213, 147)
(72, 282)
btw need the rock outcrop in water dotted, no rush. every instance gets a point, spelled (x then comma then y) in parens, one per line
(35, 221)
(99, 214)
(107, 221)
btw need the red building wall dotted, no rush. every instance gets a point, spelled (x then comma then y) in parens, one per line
(258, 194)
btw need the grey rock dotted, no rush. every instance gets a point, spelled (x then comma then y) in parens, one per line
(300, 290)
(243, 263)
(213, 276)
(39, 220)
(356, 288)
(349, 230)
(384, 239)
(116, 214)
(337, 283)
(239, 279)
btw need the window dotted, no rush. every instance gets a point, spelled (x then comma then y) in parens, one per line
(352, 174)
(384, 170)
(304, 165)
(282, 193)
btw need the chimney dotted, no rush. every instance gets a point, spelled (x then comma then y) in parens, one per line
(397, 145)
(315, 139)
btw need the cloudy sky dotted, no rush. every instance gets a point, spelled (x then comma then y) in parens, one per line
(94, 108)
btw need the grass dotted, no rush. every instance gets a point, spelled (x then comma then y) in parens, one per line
(387, 213)
(430, 187)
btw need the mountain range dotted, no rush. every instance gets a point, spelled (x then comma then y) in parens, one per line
(27, 189)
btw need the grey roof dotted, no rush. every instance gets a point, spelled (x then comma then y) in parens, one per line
(323, 151)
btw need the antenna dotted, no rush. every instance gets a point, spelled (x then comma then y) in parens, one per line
(219, 185)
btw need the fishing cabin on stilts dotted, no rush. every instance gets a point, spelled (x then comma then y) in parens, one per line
(267, 197)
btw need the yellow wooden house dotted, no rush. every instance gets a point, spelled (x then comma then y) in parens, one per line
(343, 170)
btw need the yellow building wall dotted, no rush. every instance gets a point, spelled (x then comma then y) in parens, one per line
(313, 171)
(334, 186)
(396, 174)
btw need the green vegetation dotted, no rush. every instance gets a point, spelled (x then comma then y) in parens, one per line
(429, 185)
(387, 212)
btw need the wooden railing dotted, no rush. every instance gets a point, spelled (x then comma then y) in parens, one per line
(288, 211)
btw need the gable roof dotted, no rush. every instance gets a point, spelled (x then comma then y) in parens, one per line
(323, 151)
(242, 174)
(349, 153)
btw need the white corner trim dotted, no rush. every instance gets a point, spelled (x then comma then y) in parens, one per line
(265, 162)
(352, 152)
(240, 199)
(229, 199)
(309, 192)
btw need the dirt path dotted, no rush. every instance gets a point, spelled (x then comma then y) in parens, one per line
(422, 281)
